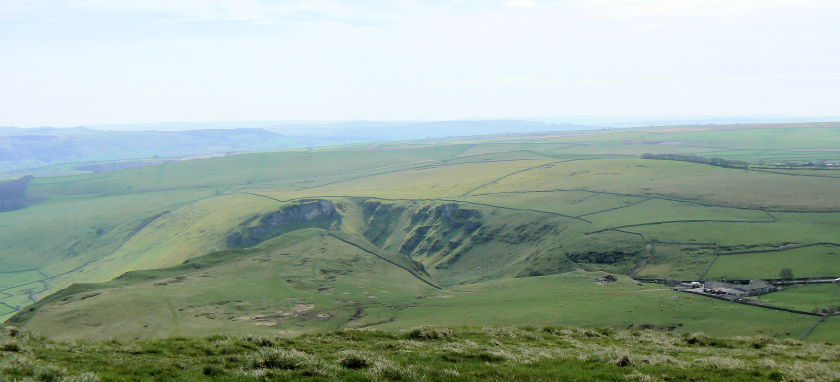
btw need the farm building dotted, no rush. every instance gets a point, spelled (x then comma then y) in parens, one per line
(754, 288)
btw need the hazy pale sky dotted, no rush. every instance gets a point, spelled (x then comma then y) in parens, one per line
(74, 62)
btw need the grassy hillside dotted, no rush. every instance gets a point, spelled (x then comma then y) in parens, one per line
(498, 223)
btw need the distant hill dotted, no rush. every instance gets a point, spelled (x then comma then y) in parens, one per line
(32, 148)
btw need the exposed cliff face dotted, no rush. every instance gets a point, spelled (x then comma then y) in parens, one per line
(458, 243)
(455, 243)
(320, 214)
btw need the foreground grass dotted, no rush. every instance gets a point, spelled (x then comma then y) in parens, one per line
(424, 353)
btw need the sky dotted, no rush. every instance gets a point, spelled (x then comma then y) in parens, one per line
(76, 62)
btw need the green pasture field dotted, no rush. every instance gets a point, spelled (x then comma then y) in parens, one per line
(802, 228)
(21, 277)
(756, 136)
(676, 261)
(658, 210)
(804, 297)
(679, 180)
(826, 331)
(573, 299)
(630, 149)
(514, 155)
(833, 171)
(238, 170)
(491, 148)
(572, 203)
(423, 183)
(815, 261)
(20, 294)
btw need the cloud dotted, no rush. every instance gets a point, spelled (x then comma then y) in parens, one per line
(695, 8)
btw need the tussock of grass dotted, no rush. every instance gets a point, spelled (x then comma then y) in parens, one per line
(428, 353)
(429, 333)
(355, 360)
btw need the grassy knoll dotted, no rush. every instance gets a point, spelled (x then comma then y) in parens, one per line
(815, 261)
(425, 353)
(805, 297)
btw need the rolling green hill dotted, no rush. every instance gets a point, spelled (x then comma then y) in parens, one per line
(508, 229)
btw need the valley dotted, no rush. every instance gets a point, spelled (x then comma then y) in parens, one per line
(483, 231)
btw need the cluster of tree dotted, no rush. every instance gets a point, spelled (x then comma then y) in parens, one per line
(786, 274)
(13, 193)
(829, 310)
(698, 159)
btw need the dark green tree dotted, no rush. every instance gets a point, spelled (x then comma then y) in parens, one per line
(786, 273)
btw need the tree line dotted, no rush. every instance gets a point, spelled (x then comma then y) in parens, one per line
(716, 161)
(13, 193)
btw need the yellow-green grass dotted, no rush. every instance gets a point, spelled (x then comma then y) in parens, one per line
(62, 234)
(238, 169)
(65, 227)
(805, 297)
(489, 149)
(573, 299)
(193, 230)
(679, 180)
(21, 277)
(814, 261)
(658, 210)
(803, 228)
(674, 261)
(572, 203)
(425, 183)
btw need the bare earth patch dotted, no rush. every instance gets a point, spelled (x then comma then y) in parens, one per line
(604, 280)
